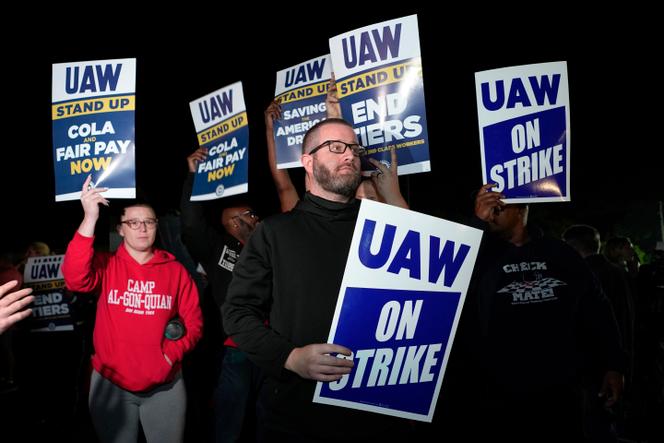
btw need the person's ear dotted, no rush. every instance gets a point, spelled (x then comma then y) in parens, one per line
(118, 228)
(307, 161)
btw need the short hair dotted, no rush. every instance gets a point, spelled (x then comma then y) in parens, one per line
(583, 238)
(40, 248)
(309, 137)
(136, 204)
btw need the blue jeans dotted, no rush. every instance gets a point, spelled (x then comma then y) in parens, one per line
(234, 395)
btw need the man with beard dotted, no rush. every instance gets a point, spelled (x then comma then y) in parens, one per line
(233, 378)
(290, 272)
(382, 185)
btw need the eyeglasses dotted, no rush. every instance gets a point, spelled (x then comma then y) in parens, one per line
(248, 212)
(339, 147)
(149, 223)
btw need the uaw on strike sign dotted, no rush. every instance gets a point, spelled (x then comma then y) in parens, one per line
(523, 114)
(399, 304)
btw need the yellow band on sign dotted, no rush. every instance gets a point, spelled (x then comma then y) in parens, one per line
(379, 77)
(304, 92)
(47, 286)
(93, 106)
(223, 128)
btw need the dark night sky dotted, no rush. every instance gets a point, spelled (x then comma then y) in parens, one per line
(614, 91)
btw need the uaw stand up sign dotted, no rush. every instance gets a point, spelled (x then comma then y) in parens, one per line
(93, 109)
(378, 72)
(51, 310)
(220, 119)
(301, 92)
(399, 304)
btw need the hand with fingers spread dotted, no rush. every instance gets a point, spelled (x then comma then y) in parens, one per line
(315, 362)
(331, 100)
(487, 201)
(91, 198)
(196, 157)
(386, 180)
(13, 305)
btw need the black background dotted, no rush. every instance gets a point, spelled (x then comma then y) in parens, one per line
(615, 95)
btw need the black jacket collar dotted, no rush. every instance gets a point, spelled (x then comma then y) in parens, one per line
(329, 209)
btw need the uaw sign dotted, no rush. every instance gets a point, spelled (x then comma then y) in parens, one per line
(523, 114)
(94, 103)
(381, 91)
(301, 92)
(51, 310)
(222, 128)
(399, 304)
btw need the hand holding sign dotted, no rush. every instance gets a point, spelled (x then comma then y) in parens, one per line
(315, 362)
(199, 155)
(272, 113)
(387, 181)
(332, 100)
(487, 201)
(91, 198)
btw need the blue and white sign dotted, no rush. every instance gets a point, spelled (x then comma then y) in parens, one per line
(523, 114)
(93, 127)
(399, 304)
(220, 119)
(379, 84)
(51, 310)
(301, 92)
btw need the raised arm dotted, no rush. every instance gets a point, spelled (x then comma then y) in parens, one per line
(91, 198)
(80, 269)
(198, 236)
(285, 189)
(333, 108)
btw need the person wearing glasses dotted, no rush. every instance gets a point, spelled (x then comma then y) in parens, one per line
(234, 379)
(382, 185)
(290, 272)
(137, 378)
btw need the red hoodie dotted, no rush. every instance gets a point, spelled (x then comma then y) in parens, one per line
(135, 304)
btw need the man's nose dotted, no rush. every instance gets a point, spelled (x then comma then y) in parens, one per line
(348, 155)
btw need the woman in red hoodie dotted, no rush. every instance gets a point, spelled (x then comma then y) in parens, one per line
(137, 376)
